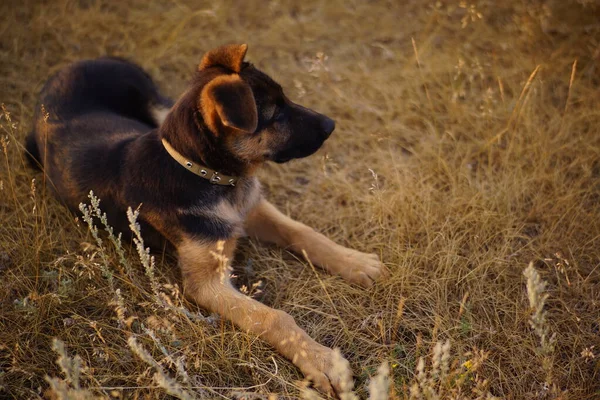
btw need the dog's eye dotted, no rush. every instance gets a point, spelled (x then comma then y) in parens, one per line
(279, 114)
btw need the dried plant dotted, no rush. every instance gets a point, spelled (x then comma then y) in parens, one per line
(88, 212)
(448, 379)
(479, 121)
(70, 387)
(170, 385)
(536, 292)
(143, 252)
(379, 386)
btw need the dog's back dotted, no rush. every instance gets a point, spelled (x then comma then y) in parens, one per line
(87, 113)
(110, 84)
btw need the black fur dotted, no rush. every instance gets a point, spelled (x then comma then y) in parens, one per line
(32, 153)
(99, 134)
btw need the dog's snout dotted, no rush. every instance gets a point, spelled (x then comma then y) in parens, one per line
(328, 125)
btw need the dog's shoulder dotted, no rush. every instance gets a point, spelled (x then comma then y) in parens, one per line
(222, 214)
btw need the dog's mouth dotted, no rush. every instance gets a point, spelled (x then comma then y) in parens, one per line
(297, 152)
(281, 160)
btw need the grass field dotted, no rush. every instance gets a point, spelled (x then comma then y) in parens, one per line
(467, 147)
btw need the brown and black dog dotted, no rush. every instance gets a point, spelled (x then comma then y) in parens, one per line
(191, 164)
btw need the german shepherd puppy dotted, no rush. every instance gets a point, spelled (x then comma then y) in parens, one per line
(191, 165)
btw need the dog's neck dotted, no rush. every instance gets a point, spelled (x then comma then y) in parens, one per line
(187, 133)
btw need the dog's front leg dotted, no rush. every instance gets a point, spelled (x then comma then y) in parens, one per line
(267, 223)
(205, 273)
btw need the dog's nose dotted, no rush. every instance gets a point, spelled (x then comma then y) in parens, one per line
(328, 125)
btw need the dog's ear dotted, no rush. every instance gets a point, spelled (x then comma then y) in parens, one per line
(228, 100)
(230, 56)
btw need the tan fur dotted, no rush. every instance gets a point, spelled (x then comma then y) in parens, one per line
(217, 114)
(159, 113)
(227, 211)
(205, 272)
(258, 146)
(247, 201)
(63, 84)
(209, 111)
(234, 213)
(266, 223)
(229, 56)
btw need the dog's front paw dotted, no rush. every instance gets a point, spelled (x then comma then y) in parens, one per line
(327, 369)
(360, 268)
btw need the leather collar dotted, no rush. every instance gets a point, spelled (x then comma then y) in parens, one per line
(211, 175)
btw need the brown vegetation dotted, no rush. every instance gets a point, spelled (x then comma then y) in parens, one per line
(467, 146)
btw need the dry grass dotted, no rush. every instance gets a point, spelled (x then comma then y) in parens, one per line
(467, 146)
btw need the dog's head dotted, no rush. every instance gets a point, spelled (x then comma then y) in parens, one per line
(249, 114)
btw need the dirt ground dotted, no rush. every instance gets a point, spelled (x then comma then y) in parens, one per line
(467, 147)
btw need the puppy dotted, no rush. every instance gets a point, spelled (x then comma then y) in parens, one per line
(105, 127)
